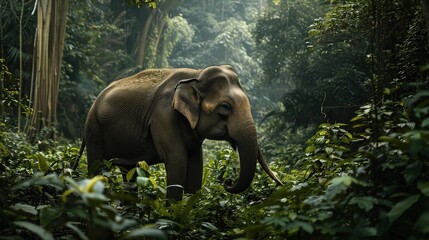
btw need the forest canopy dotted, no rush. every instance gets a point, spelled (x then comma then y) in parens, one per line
(339, 93)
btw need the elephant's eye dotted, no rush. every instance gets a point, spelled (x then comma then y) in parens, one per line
(224, 109)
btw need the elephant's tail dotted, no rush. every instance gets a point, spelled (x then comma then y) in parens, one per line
(76, 161)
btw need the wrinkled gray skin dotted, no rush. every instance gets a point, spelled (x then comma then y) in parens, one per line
(164, 115)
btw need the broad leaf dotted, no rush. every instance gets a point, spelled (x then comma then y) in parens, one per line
(425, 122)
(41, 160)
(424, 188)
(368, 232)
(41, 232)
(142, 181)
(130, 174)
(24, 210)
(412, 171)
(39, 179)
(295, 226)
(141, 172)
(49, 215)
(422, 223)
(401, 207)
(366, 203)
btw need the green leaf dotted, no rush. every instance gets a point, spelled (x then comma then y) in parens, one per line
(416, 98)
(425, 122)
(368, 232)
(108, 163)
(130, 174)
(41, 232)
(209, 226)
(143, 181)
(310, 149)
(292, 216)
(357, 118)
(349, 135)
(94, 199)
(401, 207)
(423, 187)
(154, 185)
(333, 190)
(323, 132)
(3, 150)
(141, 172)
(145, 232)
(206, 174)
(422, 223)
(189, 206)
(24, 210)
(412, 171)
(391, 140)
(340, 184)
(39, 179)
(346, 180)
(329, 150)
(366, 203)
(294, 226)
(143, 165)
(49, 215)
(41, 161)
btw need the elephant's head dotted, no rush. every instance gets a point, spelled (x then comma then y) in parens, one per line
(217, 107)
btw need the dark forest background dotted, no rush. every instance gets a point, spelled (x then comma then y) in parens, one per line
(339, 90)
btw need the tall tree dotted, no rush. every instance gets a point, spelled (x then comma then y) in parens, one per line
(17, 28)
(51, 26)
(144, 42)
(282, 44)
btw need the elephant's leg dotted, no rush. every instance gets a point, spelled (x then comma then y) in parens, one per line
(175, 164)
(194, 173)
(175, 180)
(172, 151)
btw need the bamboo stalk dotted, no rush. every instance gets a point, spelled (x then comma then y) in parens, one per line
(31, 127)
(20, 65)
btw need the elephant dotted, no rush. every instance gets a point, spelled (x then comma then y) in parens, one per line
(164, 115)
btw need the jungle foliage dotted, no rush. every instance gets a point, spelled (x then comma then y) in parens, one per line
(340, 89)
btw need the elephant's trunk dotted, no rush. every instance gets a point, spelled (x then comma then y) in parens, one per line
(247, 144)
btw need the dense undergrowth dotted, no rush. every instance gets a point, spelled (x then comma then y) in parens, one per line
(351, 181)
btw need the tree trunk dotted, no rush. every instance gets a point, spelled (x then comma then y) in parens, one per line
(153, 25)
(51, 25)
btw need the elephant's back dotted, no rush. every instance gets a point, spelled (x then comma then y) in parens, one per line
(147, 79)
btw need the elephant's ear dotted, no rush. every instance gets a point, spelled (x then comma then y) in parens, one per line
(187, 100)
